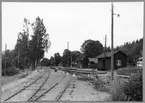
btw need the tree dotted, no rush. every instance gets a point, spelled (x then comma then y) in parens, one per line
(66, 58)
(39, 42)
(57, 58)
(132, 50)
(31, 51)
(22, 50)
(7, 59)
(75, 55)
(22, 47)
(8, 63)
(52, 61)
(45, 62)
(92, 48)
(108, 49)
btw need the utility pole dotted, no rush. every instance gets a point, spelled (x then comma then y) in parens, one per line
(68, 54)
(112, 39)
(112, 57)
(18, 51)
(105, 53)
(71, 59)
(5, 58)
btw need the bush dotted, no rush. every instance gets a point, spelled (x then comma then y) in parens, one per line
(116, 90)
(101, 84)
(133, 89)
(128, 91)
(10, 71)
(129, 71)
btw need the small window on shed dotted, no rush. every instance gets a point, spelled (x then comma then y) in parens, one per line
(118, 62)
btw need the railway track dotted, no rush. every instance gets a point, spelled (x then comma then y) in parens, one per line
(29, 83)
(25, 82)
(38, 88)
(56, 85)
(36, 96)
(63, 91)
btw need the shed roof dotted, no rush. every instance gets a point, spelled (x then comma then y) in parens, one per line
(108, 54)
(95, 60)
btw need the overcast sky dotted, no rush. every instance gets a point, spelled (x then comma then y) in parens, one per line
(74, 23)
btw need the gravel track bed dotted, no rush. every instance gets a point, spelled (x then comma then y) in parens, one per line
(23, 96)
(51, 95)
(53, 78)
(20, 85)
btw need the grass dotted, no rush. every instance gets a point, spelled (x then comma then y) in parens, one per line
(129, 70)
(8, 79)
(122, 89)
(114, 88)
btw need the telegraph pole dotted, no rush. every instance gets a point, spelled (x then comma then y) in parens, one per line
(18, 55)
(112, 39)
(71, 59)
(68, 54)
(18, 51)
(105, 53)
(112, 57)
(5, 58)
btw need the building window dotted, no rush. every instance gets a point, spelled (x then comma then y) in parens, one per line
(118, 62)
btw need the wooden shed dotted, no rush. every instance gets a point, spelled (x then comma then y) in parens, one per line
(104, 62)
(93, 63)
(83, 61)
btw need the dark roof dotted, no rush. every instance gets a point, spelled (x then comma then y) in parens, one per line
(108, 54)
(95, 60)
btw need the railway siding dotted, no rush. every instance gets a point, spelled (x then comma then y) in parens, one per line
(19, 91)
(12, 90)
(52, 94)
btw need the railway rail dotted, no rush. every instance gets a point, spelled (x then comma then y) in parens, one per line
(39, 90)
(36, 96)
(62, 92)
(29, 83)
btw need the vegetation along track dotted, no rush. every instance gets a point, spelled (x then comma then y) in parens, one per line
(28, 85)
(36, 97)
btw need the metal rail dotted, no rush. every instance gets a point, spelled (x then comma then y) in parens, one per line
(48, 89)
(38, 88)
(62, 92)
(23, 88)
(46, 92)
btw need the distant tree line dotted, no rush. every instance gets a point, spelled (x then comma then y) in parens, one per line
(92, 49)
(133, 49)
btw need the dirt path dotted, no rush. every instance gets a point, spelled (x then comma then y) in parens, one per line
(83, 91)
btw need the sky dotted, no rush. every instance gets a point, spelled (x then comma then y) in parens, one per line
(74, 23)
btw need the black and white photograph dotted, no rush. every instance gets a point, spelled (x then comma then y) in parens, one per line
(72, 51)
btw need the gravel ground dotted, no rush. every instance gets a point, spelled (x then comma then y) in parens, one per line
(12, 87)
(24, 95)
(19, 81)
(76, 91)
(83, 91)
(7, 79)
(51, 96)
